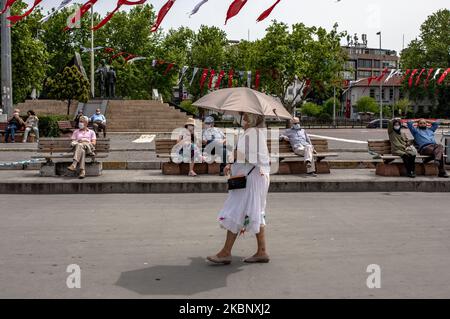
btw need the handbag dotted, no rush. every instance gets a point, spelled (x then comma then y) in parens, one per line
(238, 182)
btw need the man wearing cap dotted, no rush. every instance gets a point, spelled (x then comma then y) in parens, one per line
(301, 144)
(213, 138)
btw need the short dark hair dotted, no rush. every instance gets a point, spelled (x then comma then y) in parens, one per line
(32, 112)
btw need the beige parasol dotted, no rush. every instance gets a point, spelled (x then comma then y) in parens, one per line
(236, 100)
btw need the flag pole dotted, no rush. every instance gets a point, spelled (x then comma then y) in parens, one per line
(92, 54)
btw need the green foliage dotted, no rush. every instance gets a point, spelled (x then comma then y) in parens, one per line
(187, 105)
(328, 106)
(311, 109)
(367, 104)
(431, 50)
(48, 124)
(28, 55)
(402, 106)
(69, 85)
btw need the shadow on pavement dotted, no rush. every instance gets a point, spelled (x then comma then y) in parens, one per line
(198, 276)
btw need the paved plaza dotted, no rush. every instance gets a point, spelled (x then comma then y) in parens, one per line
(154, 246)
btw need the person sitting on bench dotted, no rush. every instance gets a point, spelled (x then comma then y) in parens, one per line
(15, 122)
(214, 138)
(83, 142)
(301, 144)
(424, 138)
(401, 146)
(187, 148)
(99, 122)
(31, 124)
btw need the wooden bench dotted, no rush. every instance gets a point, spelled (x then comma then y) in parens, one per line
(60, 148)
(285, 155)
(18, 136)
(289, 161)
(66, 127)
(382, 150)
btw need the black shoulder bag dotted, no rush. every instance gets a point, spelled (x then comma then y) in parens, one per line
(238, 182)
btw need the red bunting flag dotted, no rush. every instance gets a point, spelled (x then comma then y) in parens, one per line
(405, 75)
(80, 13)
(219, 79)
(203, 78)
(234, 9)
(118, 5)
(257, 79)
(169, 67)
(211, 77)
(8, 5)
(419, 76)
(266, 13)
(385, 71)
(410, 82)
(443, 76)
(430, 72)
(161, 14)
(230, 78)
(15, 19)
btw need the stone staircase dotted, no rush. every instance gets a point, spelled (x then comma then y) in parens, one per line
(143, 116)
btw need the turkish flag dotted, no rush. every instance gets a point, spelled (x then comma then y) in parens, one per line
(169, 67)
(230, 78)
(430, 72)
(15, 19)
(118, 5)
(266, 13)
(257, 80)
(219, 79)
(161, 14)
(234, 9)
(418, 77)
(211, 77)
(410, 82)
(80, 13)
(385, 71)
(8, 5)
(203, 78)
(443, 76)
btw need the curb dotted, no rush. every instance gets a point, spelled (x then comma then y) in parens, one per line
(92, 187)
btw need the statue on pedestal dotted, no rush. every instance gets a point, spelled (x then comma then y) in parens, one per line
(102, 75)
(112, 82)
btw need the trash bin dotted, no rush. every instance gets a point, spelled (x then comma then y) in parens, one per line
(446, 136)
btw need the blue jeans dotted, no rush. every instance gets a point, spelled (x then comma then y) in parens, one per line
(10, 130)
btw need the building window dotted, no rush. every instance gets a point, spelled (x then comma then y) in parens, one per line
(363, 63)
(383, 96)
(391, 94)
(390, 64)
(364, 74)
(372, 93)
(376, 64)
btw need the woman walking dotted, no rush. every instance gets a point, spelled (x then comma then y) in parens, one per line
(244, 209)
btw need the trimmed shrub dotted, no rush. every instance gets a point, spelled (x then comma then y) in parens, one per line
(48, 124)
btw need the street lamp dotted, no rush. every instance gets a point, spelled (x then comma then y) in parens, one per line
(381, 85)
(6, 69)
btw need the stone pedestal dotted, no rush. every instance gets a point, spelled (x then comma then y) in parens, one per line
(60, 169)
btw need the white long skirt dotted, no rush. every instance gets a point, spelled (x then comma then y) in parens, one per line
(244, 209)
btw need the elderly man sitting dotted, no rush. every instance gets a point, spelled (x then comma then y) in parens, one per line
(83, 143)
(99, 122)
(301, 144)
(424, 138)
(214, 139)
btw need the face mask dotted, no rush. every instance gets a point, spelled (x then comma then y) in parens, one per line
(296, 126)
(81, 125)
(422, 127)
(397, 127)
(98, 113)
(208, 125)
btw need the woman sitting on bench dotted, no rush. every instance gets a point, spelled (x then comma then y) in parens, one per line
(83, 142)
(401, 146)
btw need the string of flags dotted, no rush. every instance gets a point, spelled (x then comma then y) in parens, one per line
(233, 10)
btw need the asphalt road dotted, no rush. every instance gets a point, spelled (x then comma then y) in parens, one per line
(154, 246)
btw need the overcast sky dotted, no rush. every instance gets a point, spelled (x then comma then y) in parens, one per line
(394, 18)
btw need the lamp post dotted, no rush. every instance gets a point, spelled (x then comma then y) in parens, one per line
(92, 54)
(6, 71)
(381, 86)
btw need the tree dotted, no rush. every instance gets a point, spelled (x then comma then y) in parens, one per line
(329, 104)
(311, 109)
(309, 55)
(402, 106)
(69, 85)
(431, 50)
(367, 104)
(28, 55)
